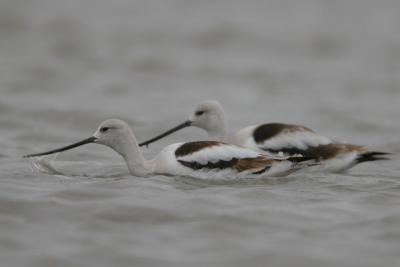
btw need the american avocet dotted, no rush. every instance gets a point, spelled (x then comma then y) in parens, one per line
(277, 139)
(202, 159)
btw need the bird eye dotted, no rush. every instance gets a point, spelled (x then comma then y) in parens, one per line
(104, 129)
(199, 113)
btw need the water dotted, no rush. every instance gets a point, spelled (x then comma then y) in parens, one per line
(67, 65)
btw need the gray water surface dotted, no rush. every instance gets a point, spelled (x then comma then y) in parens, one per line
(65, 66)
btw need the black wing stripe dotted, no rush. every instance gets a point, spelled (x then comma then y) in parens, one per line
(242, 164)
(221, 164)
(270, 130)
(192, 147)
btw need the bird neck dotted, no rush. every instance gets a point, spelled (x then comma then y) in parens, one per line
(130, 151)
(220, 132)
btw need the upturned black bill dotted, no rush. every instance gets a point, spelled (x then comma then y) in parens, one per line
(89, 140)
(175, 129)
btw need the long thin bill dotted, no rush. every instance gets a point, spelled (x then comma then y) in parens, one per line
(175, 129)
(80, 143)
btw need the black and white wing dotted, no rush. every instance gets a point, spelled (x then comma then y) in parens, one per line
(279, 138)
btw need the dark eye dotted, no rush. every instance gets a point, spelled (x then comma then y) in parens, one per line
(104, 129)
(199, 113)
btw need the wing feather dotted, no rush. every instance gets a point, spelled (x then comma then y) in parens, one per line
(280, 138)
(225, 156)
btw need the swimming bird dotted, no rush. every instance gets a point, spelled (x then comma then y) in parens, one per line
(202, 159)
(277, 139)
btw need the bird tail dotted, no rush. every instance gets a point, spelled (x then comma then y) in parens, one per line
(372, 156)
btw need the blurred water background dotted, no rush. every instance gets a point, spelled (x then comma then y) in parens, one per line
(67, 65)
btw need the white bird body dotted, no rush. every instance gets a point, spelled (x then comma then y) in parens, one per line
(220, 161)
(201, 159)
(278, 139)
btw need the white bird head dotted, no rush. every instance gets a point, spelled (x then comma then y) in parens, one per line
(208, 115)
(117, 135)
(111, 131)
